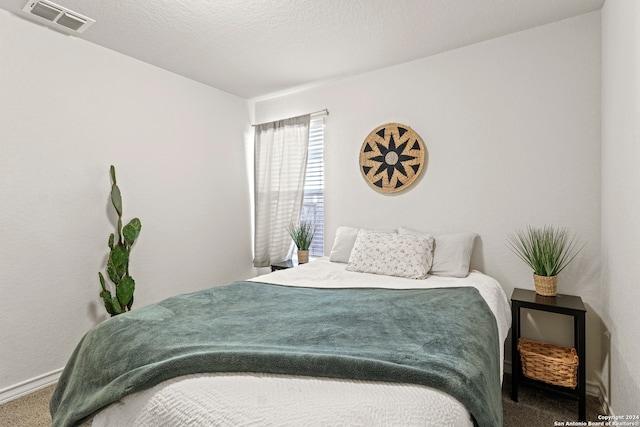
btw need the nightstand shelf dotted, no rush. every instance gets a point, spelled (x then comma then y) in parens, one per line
(569, 305)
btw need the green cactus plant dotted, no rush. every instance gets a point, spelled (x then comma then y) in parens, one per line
(118, 262)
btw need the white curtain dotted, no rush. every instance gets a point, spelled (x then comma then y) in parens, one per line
(280, 164)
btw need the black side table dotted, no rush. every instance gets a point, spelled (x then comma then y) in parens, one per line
(569, 305)
(282, 265)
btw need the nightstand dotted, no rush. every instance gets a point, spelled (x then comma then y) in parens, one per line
(282, 265)
(569, 305)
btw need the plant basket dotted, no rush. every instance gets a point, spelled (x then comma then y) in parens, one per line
(303, 257)
(549, 363)
(546, 285)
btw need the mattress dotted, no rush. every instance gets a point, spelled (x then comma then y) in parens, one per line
(236, 399)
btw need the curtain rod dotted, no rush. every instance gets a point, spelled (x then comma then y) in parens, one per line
(323, 112)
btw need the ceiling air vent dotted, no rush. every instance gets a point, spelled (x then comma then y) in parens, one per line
(57, 16)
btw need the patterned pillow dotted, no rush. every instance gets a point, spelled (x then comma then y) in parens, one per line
(402, 255)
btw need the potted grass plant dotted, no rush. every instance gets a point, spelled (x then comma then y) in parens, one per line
(547, 250)
(302, 235)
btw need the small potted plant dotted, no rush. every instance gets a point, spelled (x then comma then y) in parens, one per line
(547, 250)
(302, 235)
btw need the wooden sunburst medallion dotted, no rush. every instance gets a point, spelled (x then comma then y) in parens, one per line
(392, 157)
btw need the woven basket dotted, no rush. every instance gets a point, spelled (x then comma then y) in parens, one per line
(546, 285)
(549, 363)
(303, 257)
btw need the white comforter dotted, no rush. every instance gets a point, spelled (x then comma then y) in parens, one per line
(245, 399)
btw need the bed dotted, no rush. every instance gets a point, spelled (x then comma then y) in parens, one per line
(326, 346)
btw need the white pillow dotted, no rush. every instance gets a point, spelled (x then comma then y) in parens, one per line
(451, 252)
(345, 238)
(392, 254)
(343, 243)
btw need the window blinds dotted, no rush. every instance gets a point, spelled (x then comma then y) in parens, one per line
(313, 201)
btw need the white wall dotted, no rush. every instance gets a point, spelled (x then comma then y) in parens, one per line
(512, 126)
(512, 130)
(69, 109)
(621, 200)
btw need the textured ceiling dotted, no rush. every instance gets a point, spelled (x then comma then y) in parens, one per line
(252, 48)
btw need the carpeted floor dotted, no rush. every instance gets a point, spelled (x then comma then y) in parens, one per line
(31, 410)
(534, 409)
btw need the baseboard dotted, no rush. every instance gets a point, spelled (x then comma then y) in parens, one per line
(604, 400)
(508, 368)
(29, 386)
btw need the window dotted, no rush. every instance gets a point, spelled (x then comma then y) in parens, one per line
(313, 201)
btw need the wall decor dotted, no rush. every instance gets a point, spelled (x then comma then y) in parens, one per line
(392, 157)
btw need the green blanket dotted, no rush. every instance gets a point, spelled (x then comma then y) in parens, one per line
(443, 338)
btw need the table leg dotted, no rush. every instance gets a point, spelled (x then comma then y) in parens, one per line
(515, 359)
(579, 331)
